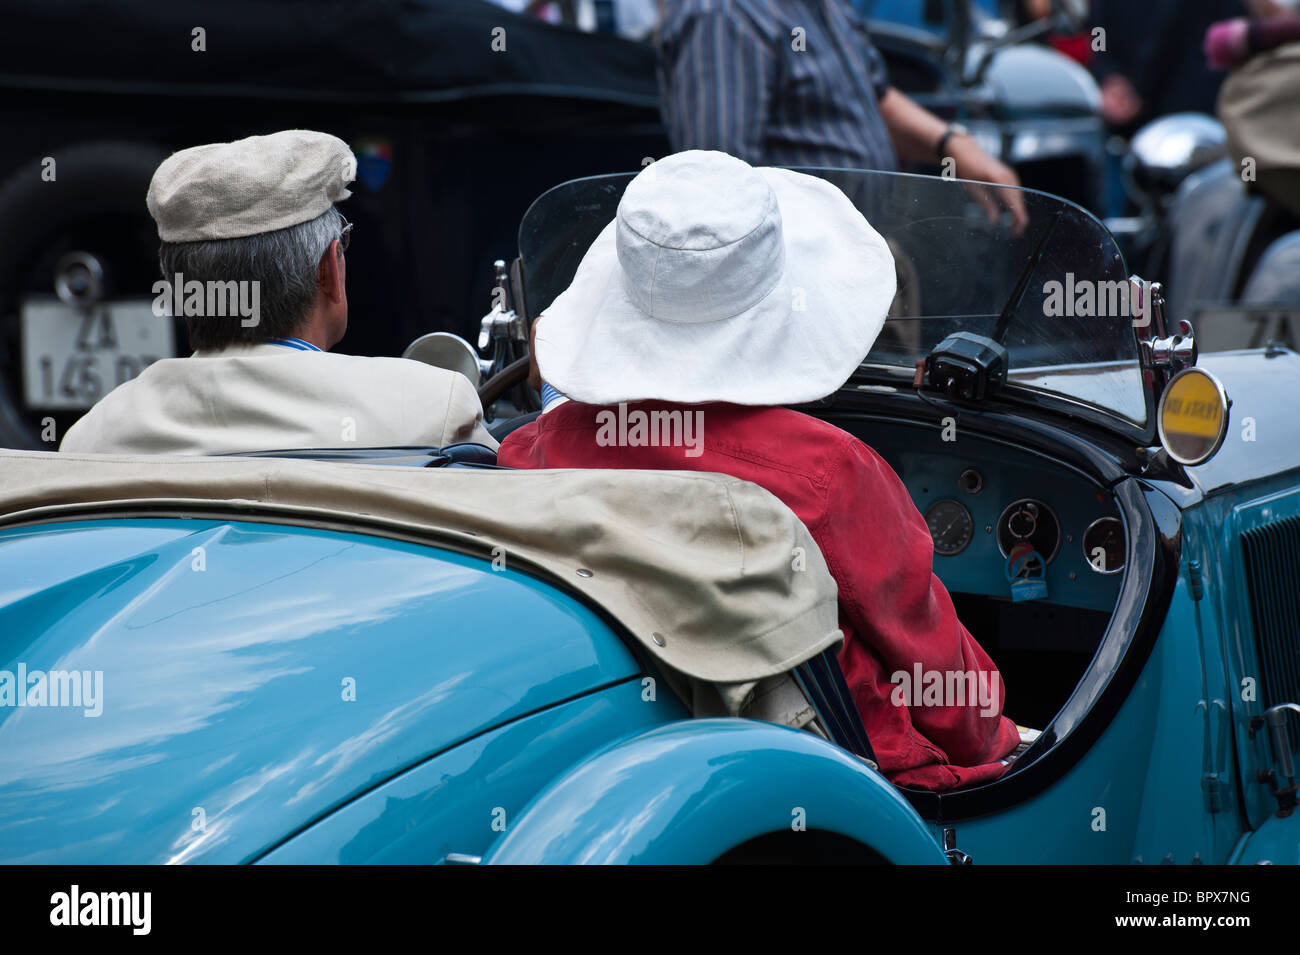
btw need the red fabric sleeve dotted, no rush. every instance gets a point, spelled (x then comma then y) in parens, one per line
(879, 550)
(516, 449)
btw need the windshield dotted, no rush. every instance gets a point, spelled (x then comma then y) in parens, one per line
(1056, 294)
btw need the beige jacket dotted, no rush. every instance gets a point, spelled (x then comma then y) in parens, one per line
(267, 397)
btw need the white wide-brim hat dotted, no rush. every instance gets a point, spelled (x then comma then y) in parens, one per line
(718, 281)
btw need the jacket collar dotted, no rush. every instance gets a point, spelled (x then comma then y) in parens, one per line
(275, 346)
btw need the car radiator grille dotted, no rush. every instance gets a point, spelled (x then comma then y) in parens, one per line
(1272, 569)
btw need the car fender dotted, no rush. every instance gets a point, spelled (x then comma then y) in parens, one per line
(1031, 80)
(689, 791)
(1211, 221)
(1276, 842)
(1276, 276)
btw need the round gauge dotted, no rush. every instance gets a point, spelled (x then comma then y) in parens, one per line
(1029, 521)
(951, 527)
(1103, 545)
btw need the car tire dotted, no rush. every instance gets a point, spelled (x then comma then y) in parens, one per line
(98, 187)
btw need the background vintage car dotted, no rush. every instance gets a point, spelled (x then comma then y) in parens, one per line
(453, 141)
(1230, 254)
(501, 711)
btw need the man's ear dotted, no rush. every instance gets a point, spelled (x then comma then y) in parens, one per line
(329, 274)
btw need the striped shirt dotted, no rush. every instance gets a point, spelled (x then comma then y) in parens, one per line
(550, 397)
(774, 82)
(297, 344)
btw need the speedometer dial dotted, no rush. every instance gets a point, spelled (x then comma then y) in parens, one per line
(951, 527)
(1103, 545)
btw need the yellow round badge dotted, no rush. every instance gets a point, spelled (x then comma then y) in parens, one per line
(1193, 416)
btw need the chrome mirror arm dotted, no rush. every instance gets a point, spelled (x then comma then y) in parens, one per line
(501, 329)
(1160, 352)
(502, 321)
(1176, 352)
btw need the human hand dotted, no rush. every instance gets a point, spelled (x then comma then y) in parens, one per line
(1120, 102)
(1227, 44)
(974, 163)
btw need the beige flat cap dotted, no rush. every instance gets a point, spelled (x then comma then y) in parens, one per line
(254, 185)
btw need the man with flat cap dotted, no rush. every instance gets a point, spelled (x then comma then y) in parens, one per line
(254, 249)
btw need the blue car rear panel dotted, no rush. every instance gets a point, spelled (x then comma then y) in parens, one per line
(463, 800)
(255, 677)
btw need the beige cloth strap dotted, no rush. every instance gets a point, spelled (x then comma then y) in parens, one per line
(716, 578)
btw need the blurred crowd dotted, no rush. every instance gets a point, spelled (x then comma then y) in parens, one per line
(634, 19)
(1161, 57)
(1150, 59)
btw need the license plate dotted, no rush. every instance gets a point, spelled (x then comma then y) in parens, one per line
(72, 357)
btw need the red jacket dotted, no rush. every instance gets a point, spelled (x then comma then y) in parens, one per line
(894, 612)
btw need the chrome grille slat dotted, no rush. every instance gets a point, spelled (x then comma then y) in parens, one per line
(1272, 571)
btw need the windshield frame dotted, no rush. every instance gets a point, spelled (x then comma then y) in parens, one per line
(870, 375)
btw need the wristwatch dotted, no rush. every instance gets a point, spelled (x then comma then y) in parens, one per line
(956, 129)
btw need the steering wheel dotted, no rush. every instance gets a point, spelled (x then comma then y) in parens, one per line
(512, 374)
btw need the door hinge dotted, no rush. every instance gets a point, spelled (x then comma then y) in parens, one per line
(955, 855)
(1212, 792)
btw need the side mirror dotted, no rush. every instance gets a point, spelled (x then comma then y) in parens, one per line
(445, 350)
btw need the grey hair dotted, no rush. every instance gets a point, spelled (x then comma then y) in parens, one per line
(284, 263)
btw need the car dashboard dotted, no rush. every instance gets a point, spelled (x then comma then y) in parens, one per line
(986, 503)
(990, 507)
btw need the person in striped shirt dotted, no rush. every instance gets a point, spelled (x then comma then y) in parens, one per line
(799, 83)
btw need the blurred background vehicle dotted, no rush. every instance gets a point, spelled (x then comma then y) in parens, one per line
(462, 111)
(453, 140)
(1026, 103)
(1218, 196)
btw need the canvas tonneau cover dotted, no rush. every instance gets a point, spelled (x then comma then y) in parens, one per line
(713, 576)
(326, 50)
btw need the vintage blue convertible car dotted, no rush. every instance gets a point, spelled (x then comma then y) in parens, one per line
(412, 655)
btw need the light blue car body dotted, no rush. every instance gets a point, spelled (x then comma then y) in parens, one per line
(282, 694)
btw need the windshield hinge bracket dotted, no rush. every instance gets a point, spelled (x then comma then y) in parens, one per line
(1160, 350)
(955, 855)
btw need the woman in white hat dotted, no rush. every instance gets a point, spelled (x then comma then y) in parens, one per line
(720, 293)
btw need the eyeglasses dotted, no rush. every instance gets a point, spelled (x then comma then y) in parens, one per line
(345, 237)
